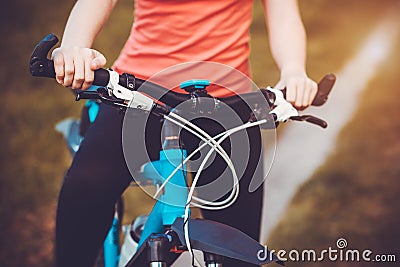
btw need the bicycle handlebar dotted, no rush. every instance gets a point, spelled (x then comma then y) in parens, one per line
(41, 66)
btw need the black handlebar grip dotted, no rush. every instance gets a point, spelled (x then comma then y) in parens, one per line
(41, 66)
(101, 77)
(324, 88)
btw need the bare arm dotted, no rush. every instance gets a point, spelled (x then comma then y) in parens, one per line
(75, 61)
(288, 46)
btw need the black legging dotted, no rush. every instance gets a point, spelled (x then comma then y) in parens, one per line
(98, 176)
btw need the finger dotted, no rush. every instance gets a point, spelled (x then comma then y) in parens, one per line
(69, 69)
(291, 92)
(310, 91)
(58, 60)
(307, 94)
(300, 88)
(98, 61)
(89, 73)
(79, 75)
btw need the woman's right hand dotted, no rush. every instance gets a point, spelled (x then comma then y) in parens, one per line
(75, 66)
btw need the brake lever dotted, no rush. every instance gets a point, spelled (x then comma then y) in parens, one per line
(310, 119)
(100, 94)
(92, 95)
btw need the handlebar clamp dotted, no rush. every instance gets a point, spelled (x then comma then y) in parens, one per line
(192, 86)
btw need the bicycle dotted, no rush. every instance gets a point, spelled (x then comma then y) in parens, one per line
(167, 234)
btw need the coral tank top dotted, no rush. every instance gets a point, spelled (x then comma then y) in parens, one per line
(170, 32)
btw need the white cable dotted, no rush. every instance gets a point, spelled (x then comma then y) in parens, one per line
(226, 158)
(208, 141)
(224, 136)
(221, 204)
(187, 158)
(227, 133)
(195, 180)
(201, 131)
(235, 188)
(220, 150)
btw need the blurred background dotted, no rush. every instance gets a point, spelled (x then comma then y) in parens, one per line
(353, 194)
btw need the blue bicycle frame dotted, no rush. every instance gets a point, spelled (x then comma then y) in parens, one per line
(171, 204)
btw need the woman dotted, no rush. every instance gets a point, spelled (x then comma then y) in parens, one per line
(164, 33)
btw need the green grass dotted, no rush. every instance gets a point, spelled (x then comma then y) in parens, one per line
(34, 158)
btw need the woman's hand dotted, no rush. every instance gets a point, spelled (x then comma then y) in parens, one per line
(300, 90)
(75, 66)
(288, 46)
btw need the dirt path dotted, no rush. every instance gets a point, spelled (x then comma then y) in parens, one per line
(302, 148)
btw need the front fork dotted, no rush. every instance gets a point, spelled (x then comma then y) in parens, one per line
(158, 247)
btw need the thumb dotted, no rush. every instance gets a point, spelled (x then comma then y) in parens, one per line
(280, 85)
(98, 61)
